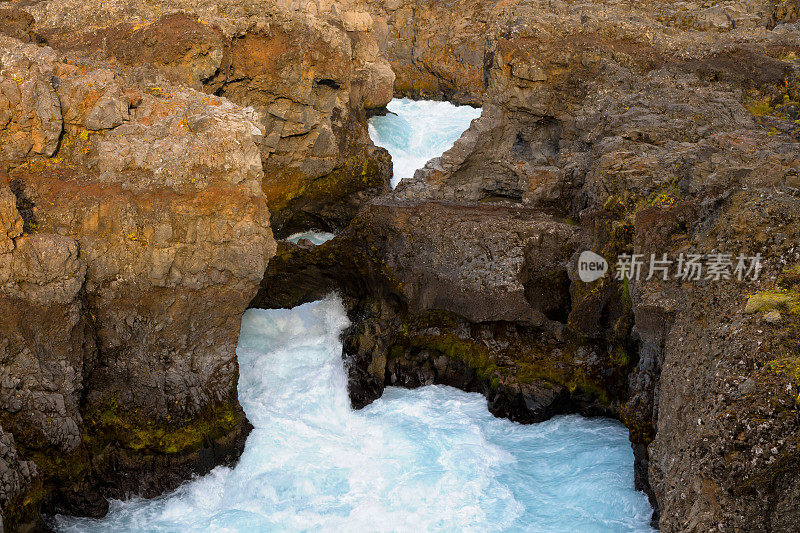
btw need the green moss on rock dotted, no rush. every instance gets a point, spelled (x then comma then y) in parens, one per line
(22, 513)
(521, 361)
(108, 423)
(790, 277)
(784, 302)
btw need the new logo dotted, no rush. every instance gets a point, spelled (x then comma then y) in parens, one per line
(591, 266)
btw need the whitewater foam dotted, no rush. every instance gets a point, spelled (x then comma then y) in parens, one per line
(316, 237)
(416, 131)
(430, 459)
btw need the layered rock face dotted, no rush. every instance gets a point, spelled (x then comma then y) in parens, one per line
(135, 232)
(446, 50)
(312, 77)
(646, 128)
(661, 141)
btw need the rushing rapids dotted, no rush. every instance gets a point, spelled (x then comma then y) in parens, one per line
(415, 131)
(427, 459)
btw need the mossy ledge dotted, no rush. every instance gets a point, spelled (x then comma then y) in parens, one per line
(522, 376)
(108, 424)
(121, 456)
(148, 459)
(22, 512)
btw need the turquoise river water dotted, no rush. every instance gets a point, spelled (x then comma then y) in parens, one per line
(430, 459)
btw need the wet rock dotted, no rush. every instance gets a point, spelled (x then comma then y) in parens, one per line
(16, 476)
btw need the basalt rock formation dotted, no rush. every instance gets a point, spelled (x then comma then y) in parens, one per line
(312, 79)
(621, 128)
(134, 233)
(149, 151)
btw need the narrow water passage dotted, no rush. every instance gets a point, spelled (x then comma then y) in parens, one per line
(316, 237)
(431, 459)
(416, 131)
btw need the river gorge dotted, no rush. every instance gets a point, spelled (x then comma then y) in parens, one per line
(431, 459)
(248, 282)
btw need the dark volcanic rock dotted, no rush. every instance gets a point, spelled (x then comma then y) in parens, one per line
(456, 294)
(660, 127)
(16, 476)
(473, 260)
(136, 229)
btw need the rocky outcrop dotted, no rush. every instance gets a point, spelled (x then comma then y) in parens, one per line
(312, 77)
(659, 152)
(15, 477)
(135, 233)
(144, 155)
(469, 295)
(726, 399)
(47, 342)
(438, 50)
(661, 128)
(488, 273)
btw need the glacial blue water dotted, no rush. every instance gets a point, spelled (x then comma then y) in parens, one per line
(317, 237)
(416, 131)
(431, 459)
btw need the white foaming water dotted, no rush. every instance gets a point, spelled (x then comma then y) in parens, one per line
(418, 131)
(431, 459)
(317, 237)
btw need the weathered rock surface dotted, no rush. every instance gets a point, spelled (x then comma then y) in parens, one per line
(485, 273)
(15, 474)
(310, 76)
(646, 128)
(437, 49)
(136, 214)
(134, 234)
(660, 151)
(725, 402)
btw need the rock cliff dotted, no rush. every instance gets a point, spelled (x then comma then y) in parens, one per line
(149, 151)
(134, 234)
(311, 77)
(623, 128)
